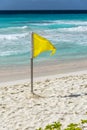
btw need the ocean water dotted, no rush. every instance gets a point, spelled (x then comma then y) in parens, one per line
(68, 33)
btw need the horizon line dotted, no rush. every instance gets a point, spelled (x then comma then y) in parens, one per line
(41, 11)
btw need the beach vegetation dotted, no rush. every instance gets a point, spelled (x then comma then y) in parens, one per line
(58, 126)
(54, 126)
(83, 121)
(73, 127)
(39, 129)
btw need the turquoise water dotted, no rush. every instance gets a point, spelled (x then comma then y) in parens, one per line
(68, 32)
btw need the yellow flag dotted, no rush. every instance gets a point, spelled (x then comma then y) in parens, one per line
(41, 44)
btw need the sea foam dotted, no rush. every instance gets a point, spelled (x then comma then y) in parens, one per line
(12, 36)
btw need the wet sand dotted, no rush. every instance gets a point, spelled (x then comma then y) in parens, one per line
(14, 73)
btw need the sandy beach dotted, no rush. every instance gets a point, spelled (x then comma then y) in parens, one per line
(60, 81)
(41, 69)
(59, 97)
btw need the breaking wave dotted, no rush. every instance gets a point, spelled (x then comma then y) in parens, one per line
(12, 36)
(75, 29)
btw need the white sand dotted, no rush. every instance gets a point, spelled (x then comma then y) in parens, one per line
(45, 68)
(60, 98)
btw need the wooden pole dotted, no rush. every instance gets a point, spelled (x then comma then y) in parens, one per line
(32, 63)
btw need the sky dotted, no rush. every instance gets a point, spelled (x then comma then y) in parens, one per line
(43, 4)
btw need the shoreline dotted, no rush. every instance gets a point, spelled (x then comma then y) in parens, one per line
(45, 69)
(43, 78)
(13, 73)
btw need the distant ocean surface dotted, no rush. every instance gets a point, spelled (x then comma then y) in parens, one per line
(68, 32)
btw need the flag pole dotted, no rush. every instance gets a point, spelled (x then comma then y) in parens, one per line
(32, 63)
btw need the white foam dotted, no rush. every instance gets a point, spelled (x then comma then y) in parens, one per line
(14, 28)
(8, 53)
(12, 52)
(12, 36)
(59, 22)
(74, 22)
(75, 29)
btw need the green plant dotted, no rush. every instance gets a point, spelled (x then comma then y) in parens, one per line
(86, 113)
(73, 127)
(57, 126)
(39, 129)
(49, 127)
(83, 121)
